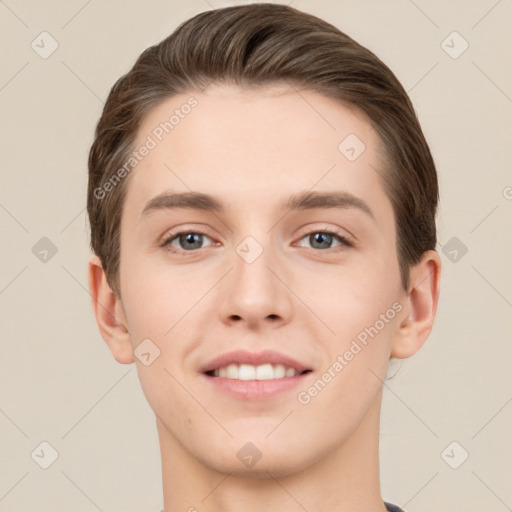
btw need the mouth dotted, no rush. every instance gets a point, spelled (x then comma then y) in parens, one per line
(254, 376)
(265, 371)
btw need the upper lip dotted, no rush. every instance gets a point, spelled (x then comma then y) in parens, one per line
(253, 358)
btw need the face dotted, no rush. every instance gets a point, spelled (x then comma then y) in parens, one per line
(270, 300)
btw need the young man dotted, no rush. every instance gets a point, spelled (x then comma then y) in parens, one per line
(262, 205)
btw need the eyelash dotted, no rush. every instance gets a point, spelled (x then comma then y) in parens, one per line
(173, 236)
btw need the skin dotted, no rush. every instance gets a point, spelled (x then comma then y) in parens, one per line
(252, 149)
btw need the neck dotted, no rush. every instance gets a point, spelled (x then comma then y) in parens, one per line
(345, 481)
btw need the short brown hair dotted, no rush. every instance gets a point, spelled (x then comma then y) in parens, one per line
(263, 44)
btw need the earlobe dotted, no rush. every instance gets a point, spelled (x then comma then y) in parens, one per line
(422, 300)
(109, 314)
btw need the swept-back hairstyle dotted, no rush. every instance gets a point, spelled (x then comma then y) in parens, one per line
(263, 44)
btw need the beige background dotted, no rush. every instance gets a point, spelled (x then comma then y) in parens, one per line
(59, 383)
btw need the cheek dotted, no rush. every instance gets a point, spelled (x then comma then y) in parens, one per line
(364, 317)
(149, 313)
(152, 299)
(166, 305)
(355, 298)
(357, 362)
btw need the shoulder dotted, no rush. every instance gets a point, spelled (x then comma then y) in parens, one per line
(393, 508)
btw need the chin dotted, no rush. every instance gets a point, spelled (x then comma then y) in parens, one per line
(261, 459)
(266, 467)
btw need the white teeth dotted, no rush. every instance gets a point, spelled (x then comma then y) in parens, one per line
(279, 371)
(264, 372)
(246, 372)
(290, 372)
(232, 371)
(250, 372)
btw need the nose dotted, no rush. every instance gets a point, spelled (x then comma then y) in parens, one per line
(254, 293)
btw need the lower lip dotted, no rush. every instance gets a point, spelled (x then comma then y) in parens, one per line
(256, 389)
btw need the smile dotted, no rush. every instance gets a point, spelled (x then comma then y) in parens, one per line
(246, 375)
(266, 371)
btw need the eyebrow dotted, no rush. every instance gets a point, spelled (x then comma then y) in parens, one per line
(303, 201)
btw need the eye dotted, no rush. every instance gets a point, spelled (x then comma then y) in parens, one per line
(324, 239)
(189, 241)
(185, 241)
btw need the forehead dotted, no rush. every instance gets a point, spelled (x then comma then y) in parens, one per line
(264, 143)
(227, 117)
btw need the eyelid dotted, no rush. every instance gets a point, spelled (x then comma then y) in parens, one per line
(344, 241)
(165, 241)
(344, 234)
(173, 232)
(342, 229)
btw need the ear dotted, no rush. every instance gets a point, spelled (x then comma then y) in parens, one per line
(420, 306)
(108, 310)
